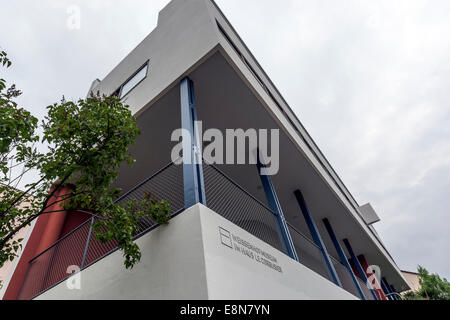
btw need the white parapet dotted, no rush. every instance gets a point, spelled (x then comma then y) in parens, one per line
(200, 255)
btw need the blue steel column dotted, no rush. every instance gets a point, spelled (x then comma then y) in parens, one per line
(358, 265)
(274, 205)
(386, 289)
(343, 257)
(194, 187)
(316, 237)
(393, 291)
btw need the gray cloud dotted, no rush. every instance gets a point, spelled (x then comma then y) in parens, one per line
(369, 79)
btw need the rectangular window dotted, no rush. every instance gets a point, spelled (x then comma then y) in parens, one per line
(132, 82)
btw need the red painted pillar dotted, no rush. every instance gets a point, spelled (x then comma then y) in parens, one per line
(378, 290)
(56, 220)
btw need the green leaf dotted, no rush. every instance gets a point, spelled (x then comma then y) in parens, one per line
(88, 140)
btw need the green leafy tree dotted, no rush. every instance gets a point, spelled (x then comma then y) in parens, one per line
(86, 142)
(432, 287)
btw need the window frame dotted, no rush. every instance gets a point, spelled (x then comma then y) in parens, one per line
(119, 91)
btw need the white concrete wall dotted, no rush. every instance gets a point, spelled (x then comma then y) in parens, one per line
(187, 260)
(184, 35)
(232, 274)
(413, 281)
(172, 267)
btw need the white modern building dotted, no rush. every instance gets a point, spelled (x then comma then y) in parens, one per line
(235, 234)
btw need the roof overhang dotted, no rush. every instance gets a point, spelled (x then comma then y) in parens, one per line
(229, 97)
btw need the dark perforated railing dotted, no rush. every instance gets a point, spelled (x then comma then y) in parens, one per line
(367, 292)
(79, 249)
(345, 277)
(309, 254)
(235, 204)
(52, 265)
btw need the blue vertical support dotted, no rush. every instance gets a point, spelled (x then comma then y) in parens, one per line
(386, 289)
(343, 257)
(274, 205)
(194, 186)
(358, 265)
(317, 238)
(393, 291)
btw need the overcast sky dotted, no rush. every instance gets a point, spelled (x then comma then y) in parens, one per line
(369, 79)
